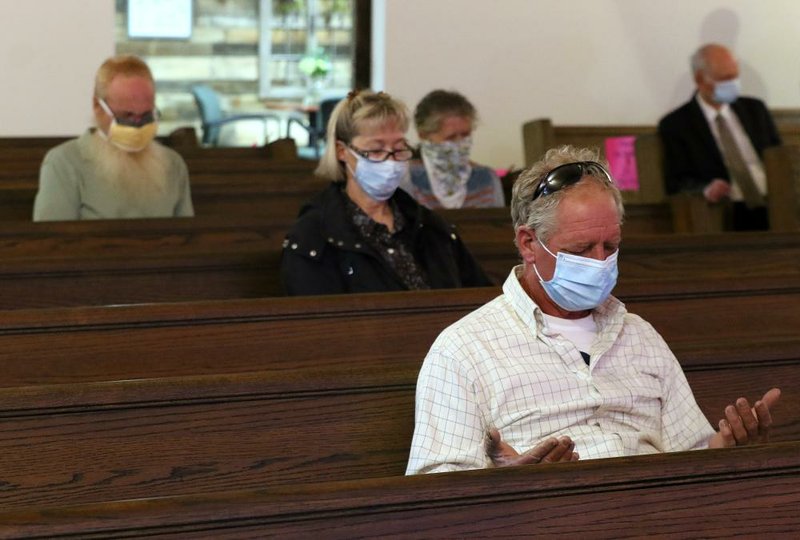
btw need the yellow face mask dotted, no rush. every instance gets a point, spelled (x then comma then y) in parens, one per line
(131, 138)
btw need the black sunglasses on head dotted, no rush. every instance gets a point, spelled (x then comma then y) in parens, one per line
(568, 174)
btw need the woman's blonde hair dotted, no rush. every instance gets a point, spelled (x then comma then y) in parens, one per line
(350, 117)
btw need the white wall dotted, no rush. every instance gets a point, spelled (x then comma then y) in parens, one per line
(49, 52)
(580, 61)
(575, 61)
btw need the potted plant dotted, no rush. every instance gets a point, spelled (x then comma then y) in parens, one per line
(315, 66)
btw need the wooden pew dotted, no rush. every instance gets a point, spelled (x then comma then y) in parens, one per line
(242, 196)
(690, 213)
(782, 167)
(683, 260)
(541, 134)
(188, 274)
(197, 396)
(272, 192)
(230, 181)
(224, 180)
(134, 261)
(752, 491)
(344, 414)
(93, 344)
(788, 123)
(693, 214)
(21, 157)
(215, 193)
(474, 223)
(112, 265)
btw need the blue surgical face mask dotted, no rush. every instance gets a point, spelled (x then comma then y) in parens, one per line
(726, 91)
(379, 180)
(580, 283)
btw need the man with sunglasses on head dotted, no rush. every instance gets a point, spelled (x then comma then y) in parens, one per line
(713, 144)
(115, 170)
(555, 368)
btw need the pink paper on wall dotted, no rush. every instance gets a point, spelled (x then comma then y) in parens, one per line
(621, 157)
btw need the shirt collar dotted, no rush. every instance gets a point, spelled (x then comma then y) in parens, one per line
(710, 112)
(523, 305)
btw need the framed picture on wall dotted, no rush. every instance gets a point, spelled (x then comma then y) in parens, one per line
(159, 19)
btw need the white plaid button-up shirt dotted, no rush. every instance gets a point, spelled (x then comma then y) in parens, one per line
(500, 367)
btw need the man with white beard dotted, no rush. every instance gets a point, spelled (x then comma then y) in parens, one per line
(116, 170)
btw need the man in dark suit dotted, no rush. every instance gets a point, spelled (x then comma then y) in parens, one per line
(713, 144)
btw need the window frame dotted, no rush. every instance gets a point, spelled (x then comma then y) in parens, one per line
(361, 60)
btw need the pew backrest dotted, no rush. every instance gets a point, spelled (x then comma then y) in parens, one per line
(691, 214)
(782, 167)
(346, 420)
(698, 494)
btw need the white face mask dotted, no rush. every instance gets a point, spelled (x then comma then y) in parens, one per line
(381, 179)
(131, 138)
(580, 283)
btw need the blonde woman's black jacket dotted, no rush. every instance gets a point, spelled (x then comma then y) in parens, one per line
(324, 253)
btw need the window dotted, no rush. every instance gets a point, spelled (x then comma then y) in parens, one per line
(306, 46)
(232, 46)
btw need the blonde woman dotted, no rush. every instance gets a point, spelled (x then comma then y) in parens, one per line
(362, 234)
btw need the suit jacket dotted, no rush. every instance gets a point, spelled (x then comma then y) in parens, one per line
(691, 156)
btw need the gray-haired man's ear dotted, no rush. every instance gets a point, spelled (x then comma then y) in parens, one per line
(526, 241)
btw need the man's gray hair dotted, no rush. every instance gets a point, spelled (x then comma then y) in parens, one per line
(540, 214)
(699, 60)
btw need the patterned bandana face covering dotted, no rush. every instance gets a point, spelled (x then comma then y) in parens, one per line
(448, 168)
(580, 283)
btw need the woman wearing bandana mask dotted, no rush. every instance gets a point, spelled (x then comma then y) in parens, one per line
(444, 177)
(362, 234)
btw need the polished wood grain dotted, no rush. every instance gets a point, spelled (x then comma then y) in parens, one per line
(337, 419)
(752, 491)
(135, 261)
